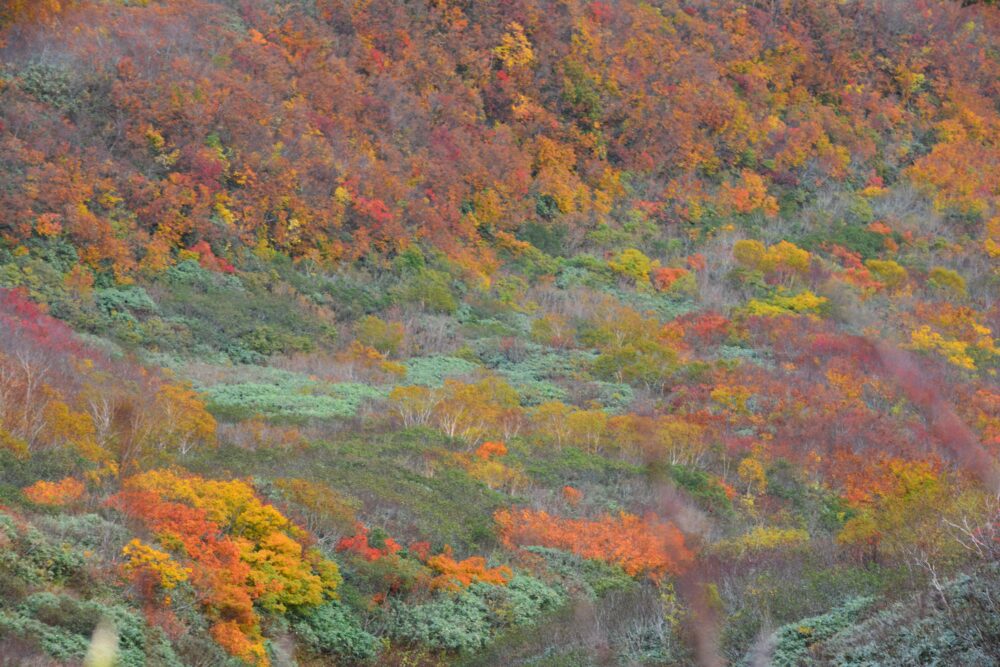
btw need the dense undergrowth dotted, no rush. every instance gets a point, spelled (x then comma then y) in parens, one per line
(499, 333)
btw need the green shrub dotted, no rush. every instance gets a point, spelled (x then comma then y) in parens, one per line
(857, 238)
(48, 561)
(451, 623)
(470, 619)
(429, 288)
(859, 211)
(54, 85)
(550, 238)
(536, 392)
(398, 573)
(565, 465)
(546, 206)
(533, 263)
(63, 612)
(650, 366)
(702, 487)
(355, 295)
(593, 578)
(331, 630)
(386, 337)
(540, 364)
(125, 299)
(51, 464)
(585, 270)
(432, 371)
(965, 632)
(389, 471)
(64, 626)
(792, 642)
(87, 531)
(190, 273)
(665, 305)
(168, 334)
(59, 644)
(267, 340)
(249, 317)
(530, 599)
(783, 481)
(614, 396)
(57, 252)
(409, 260)
(292, 397)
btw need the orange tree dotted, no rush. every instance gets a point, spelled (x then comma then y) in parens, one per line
(639, 545)
(241, 552)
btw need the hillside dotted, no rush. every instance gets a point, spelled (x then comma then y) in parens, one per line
(499, 333)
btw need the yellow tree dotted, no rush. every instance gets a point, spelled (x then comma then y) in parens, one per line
(587, 428)
(682, 441)
(185, 422)
(908, 513)
(549, 422)
(12, 11)
(489, 408)
(515, 50)
(415, 405)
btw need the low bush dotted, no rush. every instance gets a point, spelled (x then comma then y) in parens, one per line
(471, 619)
(793, 642)
(64, 626)
(592, 578)
(432, 371)
(289, 396)
(332, 630)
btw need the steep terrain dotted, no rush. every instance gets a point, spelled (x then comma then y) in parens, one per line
(499, 333)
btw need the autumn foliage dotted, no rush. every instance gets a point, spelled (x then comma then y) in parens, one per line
(443, 571)
(57, 494)
(358, 545)
(545, 115)
(241, 553)
(735, 261)
(32, 10)
(639, 545)
(57, 392)
(144, 559)
(454, 575)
